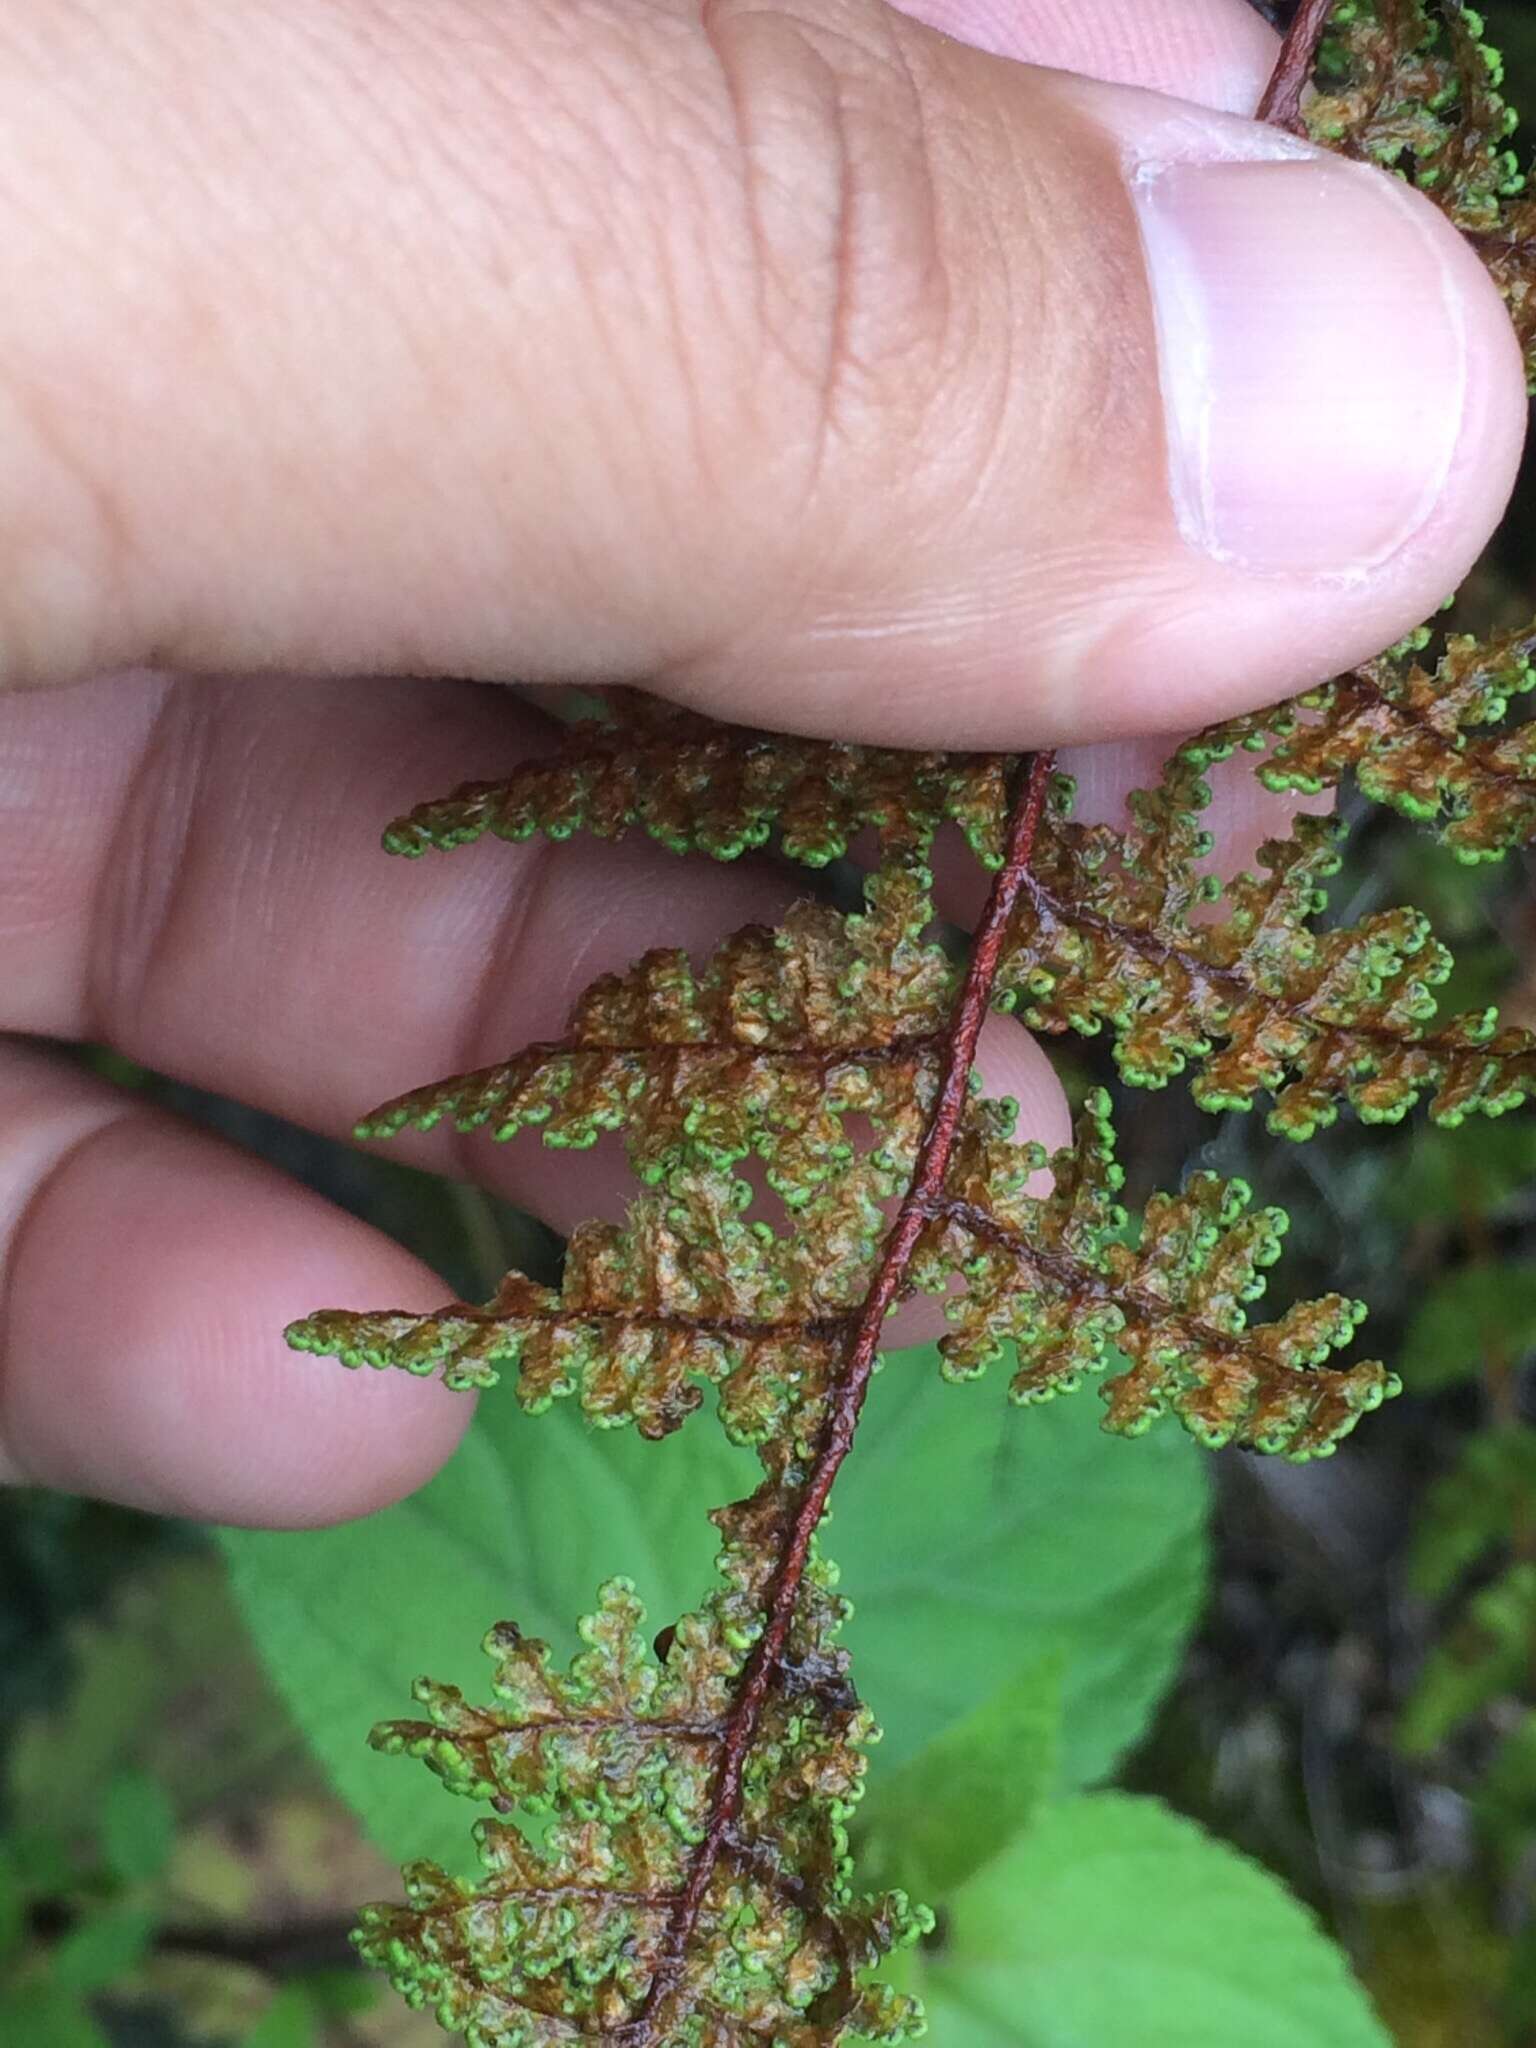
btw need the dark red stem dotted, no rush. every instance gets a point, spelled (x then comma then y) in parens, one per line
(918, 1206)
(1281, 104)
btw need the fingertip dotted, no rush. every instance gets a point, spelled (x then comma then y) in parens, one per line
(158, 1376)
(1344, 404)
(1013, 1063)
(1344, 408)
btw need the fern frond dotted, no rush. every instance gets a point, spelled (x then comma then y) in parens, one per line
(1128, 929)
(1123, 927)
(565, 1938)
(700, 786)
(668, 1053)
(1053, 1277)
(1433, 744)
(691, 1289)
(771, 1053)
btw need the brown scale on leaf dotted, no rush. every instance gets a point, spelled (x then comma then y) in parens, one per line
(689, 1884)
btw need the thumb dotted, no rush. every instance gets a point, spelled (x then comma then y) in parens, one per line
(835, 374)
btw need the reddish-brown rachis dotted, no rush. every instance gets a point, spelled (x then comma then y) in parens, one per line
(847, 1399)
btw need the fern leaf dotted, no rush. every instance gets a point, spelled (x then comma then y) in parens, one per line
(1117, 927)
(700, 786)
(1053, 1277)
(1434, 745)
(658, 1048)
(692, 1290)
(770, 1053)
(564, 1938)
(1128, 929)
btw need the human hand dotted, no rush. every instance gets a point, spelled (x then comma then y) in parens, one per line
(830, 373)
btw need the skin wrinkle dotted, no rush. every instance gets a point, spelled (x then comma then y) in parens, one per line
(739, 133)
(976, 456)
(774, 281)
(1003, 272)
(843, 230)
(853, 115)
(842, 254)
(145, 862)
(879, 337)
(51, 858)
(697, 135)
(775, 182)
(670, 284)
(1110, 300)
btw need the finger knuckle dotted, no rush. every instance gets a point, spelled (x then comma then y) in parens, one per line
(838, 196)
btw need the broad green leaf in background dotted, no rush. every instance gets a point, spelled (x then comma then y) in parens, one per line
(972, 1537)
(138, 1827)
(45, 2016)
(1483, 1313)
(960, 1801)
(103, 1948)
(1112, 1921)
(288, 2022)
